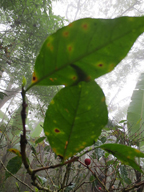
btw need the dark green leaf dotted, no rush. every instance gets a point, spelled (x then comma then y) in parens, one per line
(39, 140)
(85, 50)
(75, 118)
(124, 153)
(13, 166)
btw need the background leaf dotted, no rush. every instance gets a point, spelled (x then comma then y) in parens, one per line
(124, 153)
(135, 113)
(75, 117)
(39, 140)
(91, 47)
(13, 165)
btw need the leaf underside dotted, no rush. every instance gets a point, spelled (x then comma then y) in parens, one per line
(75, 118)
(85, 50)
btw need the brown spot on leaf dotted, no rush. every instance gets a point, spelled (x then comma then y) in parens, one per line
(65, 33)
(70, 25)
(69, 48)
(74, 78)
(85, 26)
(57, 130)
(88, 78)
(100, 64)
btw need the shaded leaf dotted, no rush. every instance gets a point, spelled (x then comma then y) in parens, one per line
(75, 118)
(124, 153)
(85, 50)
(124, 174)
(39, 140)
(37, 130)
(13, 166)
(2, 95)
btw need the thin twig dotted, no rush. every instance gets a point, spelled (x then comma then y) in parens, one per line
(16, 177)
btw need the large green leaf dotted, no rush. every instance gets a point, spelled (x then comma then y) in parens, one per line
(75, 117)
(85, 50)
(13, 165)
(124, 153)
(135, 113)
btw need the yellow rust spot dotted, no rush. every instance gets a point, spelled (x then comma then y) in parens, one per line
(137, 151)
(34, 78)
(111, 67)
(54, 121)
(81, 147)
(50, 46)
(54, 149)
(17, 152)
(47, 133)
(66, 144)
(93, 136)
(76, 149)
(128, 157)
(65, 33)
(52, 102)
(103, 99)
(84, 143)
(89, 107)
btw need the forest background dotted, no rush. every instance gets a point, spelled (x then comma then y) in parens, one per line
(24, 27)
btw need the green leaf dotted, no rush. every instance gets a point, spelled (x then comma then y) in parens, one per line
(75, 118)
(124, 153)
(135, 113)
(13, 166)
(85, 50)
(2, 95)
(37, 130)
(39, 140)
(124, 174)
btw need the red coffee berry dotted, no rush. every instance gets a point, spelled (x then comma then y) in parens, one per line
(100, 188)
(87, 161)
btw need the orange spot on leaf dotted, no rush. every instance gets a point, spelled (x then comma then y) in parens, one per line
(69, 48)
(34, 78)
(54, 149)
(66, 144)
(51, 79)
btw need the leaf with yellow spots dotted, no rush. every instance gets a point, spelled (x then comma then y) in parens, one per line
(124, 153)
(15, 151)
(79, 114)
(94, 46)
